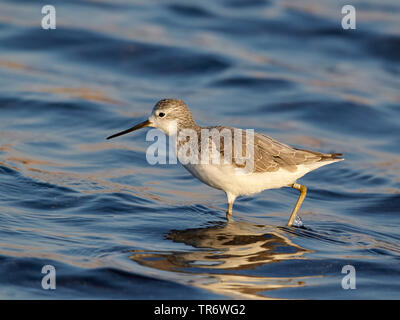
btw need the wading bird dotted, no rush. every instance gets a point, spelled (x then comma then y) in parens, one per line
(274, 164)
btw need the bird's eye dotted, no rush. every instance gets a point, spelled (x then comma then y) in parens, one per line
(161, 114)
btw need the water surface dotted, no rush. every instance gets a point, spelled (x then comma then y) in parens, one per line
(114, 226)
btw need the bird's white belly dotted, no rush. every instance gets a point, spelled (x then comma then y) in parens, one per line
(225, 178)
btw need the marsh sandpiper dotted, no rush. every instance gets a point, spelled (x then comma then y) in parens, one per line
(274, 164)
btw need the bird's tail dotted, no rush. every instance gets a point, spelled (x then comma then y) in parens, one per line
(332, 157)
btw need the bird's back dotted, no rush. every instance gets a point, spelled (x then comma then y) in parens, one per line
(269, 155)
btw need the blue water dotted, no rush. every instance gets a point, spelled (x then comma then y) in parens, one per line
(113, 226)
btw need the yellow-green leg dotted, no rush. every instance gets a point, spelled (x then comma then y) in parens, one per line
(303, 192)
(229, 211)
(231, 199)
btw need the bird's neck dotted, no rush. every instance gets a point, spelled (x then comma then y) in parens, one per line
(187, 127)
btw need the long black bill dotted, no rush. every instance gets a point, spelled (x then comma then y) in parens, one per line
(138, 126)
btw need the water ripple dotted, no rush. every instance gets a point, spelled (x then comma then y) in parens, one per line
(115, 226)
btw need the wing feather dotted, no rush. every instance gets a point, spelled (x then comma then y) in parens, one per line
(271, 155)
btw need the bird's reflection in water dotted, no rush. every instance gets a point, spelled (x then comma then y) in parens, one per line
(227, 258)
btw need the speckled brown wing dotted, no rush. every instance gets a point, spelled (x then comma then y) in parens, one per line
(270, 155)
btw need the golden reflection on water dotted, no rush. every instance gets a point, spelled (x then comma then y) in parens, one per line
(88, 94)
(221, 252)
(16, 66)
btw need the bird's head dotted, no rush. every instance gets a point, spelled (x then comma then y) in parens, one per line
(168, 115)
